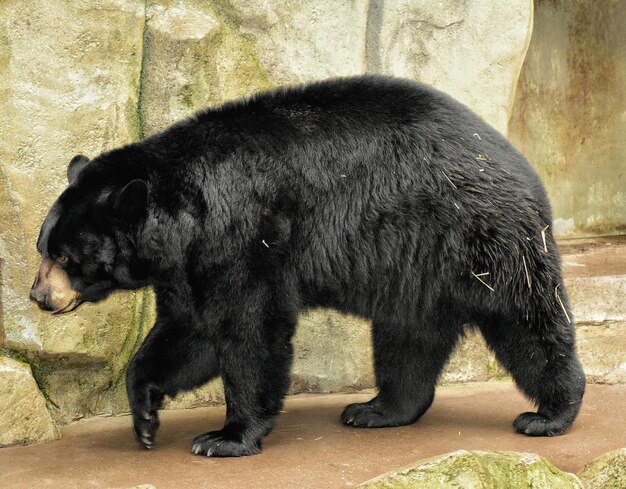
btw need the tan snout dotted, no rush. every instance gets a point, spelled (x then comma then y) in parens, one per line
(52, 290)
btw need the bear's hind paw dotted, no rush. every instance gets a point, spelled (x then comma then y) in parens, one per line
(371, 415)
(535, 424)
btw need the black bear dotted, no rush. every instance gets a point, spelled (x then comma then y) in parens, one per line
(376, 196)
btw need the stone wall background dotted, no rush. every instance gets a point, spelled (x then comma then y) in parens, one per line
(569, 115)
(83, 77)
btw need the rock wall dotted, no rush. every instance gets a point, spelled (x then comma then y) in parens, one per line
(69, 83)
(24, 417)
(83, 77)
(568, 117)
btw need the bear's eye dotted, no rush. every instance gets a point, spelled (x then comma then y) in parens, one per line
(62, 259)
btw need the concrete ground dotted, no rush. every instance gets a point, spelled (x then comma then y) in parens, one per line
(309, 447)
(590, 257)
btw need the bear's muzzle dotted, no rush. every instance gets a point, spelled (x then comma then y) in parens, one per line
(52, 289)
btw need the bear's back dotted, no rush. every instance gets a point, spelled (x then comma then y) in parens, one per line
(366, 177)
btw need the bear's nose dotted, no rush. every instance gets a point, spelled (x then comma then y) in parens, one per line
(38, 296)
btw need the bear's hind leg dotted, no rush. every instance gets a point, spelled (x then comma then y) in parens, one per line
(541, 356)
(408, 359)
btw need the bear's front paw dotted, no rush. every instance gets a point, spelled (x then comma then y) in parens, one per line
(146, 424)
(145, 405)
(222, 443)
(368, 415)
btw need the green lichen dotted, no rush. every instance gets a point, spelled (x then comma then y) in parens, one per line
(187, 97)
(225, 12)
(138, 328)
(495, 370)
(138, 82)
(249, 75)
(15, 355)
(41, 369)
(500, 378)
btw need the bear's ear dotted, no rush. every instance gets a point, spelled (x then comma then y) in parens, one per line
(75, 167)
(130, 203)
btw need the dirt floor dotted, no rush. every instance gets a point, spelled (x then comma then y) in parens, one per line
(309, 448)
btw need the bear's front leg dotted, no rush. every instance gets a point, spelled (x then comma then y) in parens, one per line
(255, 363)
(174, 357)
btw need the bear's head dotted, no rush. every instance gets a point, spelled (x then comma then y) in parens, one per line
(87, 239)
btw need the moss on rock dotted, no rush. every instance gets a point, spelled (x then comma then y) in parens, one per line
(477, 470)
(606, 472)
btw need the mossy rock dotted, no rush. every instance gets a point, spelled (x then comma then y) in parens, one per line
(477, 470)
(24, 417)
(608, 471)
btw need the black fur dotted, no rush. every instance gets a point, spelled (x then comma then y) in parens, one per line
(379, 197)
